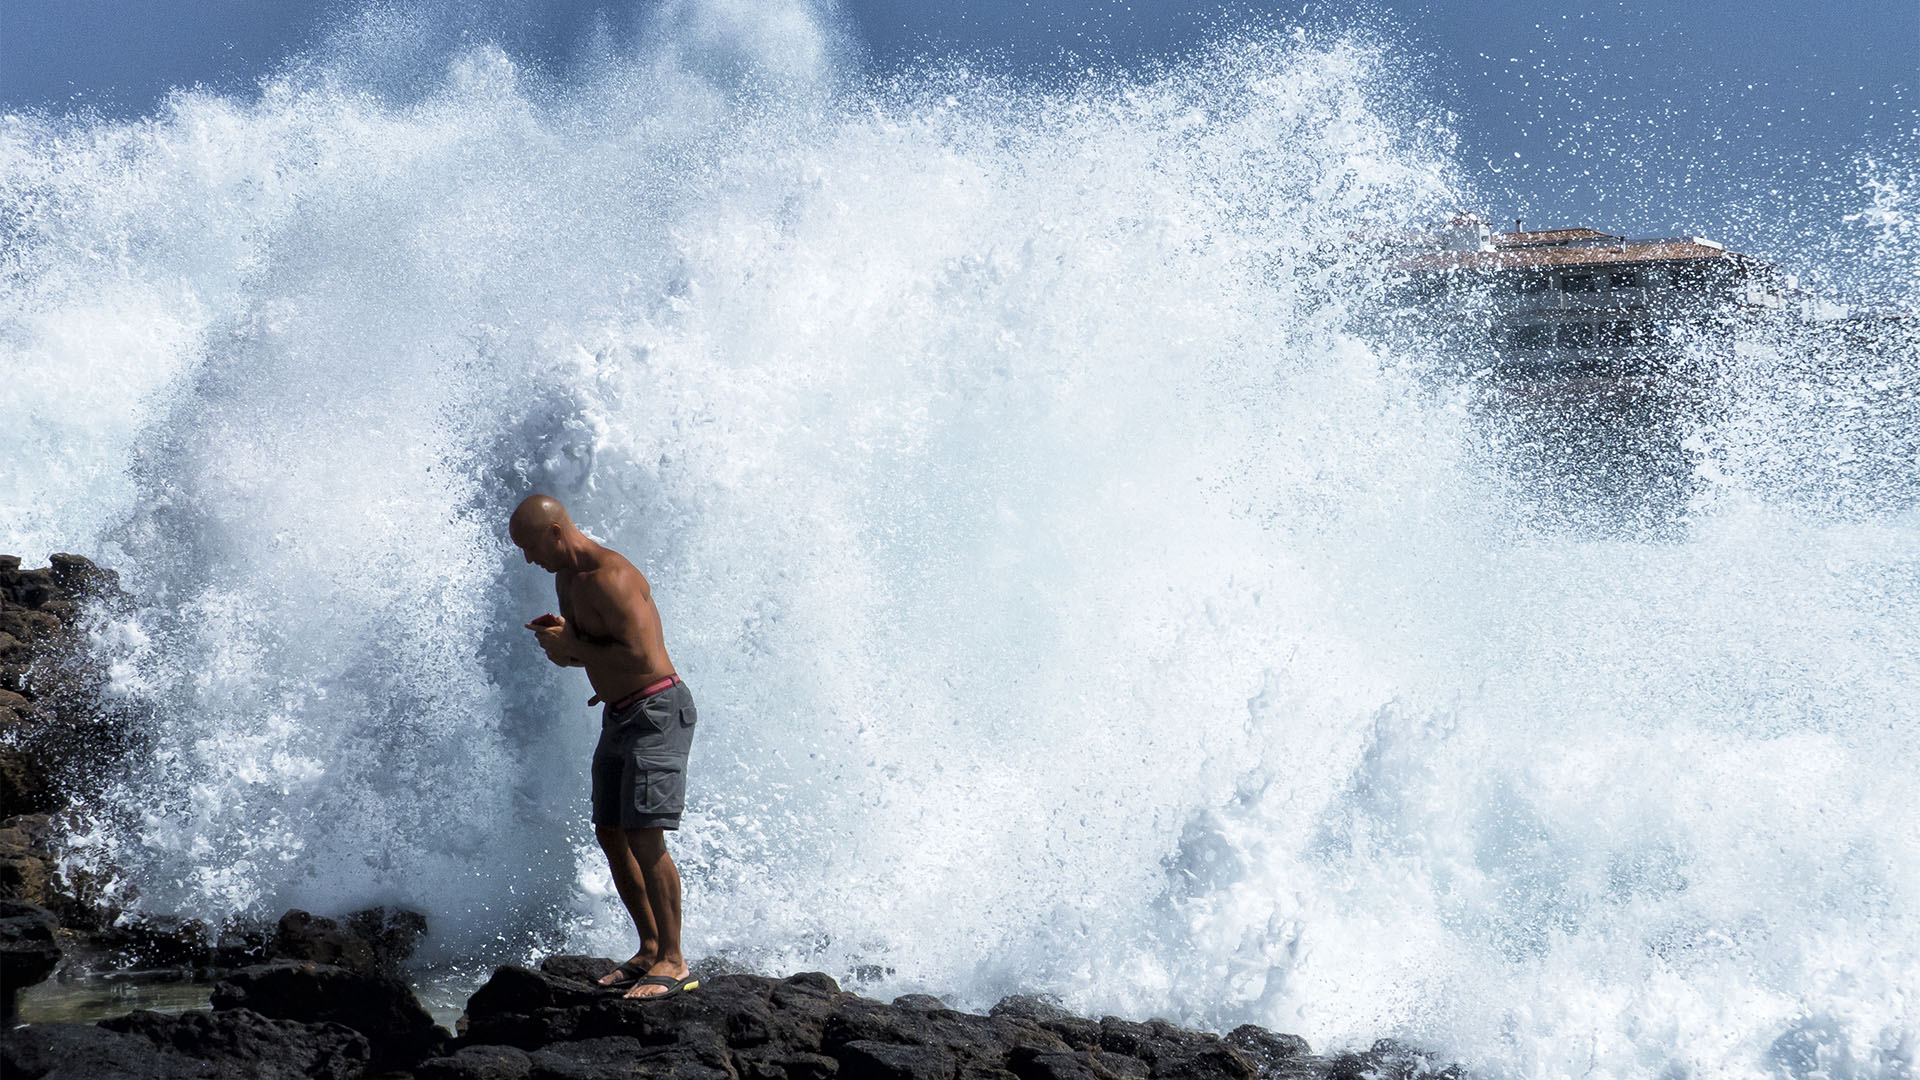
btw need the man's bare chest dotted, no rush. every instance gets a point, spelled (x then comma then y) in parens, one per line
(586, 622)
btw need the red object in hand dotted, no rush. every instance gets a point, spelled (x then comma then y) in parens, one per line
(544, 620)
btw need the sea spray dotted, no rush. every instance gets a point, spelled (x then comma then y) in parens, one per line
(1082, 593)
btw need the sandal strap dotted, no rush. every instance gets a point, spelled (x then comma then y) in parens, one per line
(628, 972)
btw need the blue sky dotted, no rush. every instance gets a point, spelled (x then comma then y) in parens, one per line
(1741, 120)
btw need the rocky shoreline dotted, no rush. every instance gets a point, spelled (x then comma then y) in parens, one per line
(314, 997)
(52, 743)
(287, 1020)
(59, 740)
(63, 739)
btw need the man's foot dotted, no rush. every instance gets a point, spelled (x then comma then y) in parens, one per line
(662, 979)
(623, 976)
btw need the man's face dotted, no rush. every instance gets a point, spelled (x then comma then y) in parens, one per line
(540, 547)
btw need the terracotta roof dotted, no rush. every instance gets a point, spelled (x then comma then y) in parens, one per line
(1525, 258)
(1551, 236)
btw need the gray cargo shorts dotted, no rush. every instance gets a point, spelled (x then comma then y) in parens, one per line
(640, 765)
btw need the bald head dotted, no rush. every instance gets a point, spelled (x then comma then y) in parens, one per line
(536, 512)
(541, 528)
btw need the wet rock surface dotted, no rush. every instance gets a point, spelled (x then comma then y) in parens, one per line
(380, 1007)
(28, 952)
(141, 941)
(245, 1043)
(377, 940)
(552, 1023)
(27, 870)
(374, 940)
(63, 739)
(62, 736)
(736, 1025)
(238, 1045)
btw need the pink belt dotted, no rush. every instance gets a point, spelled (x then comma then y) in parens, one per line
(646, 691)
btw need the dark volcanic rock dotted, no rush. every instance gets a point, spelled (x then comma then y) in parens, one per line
(77, 575)
(974, 1041)
(1390, 1059)
(1076, 1065)
(530, 1009)
(26, 786)
(141, 940)
(243, 1043)
(554, 1024)
(863, 1059)
(579, 969)
(1076, 1031)
(1022, 1007)
(380, 1007)
(161, 940)
(62, 738)
(85, 1052)
(237, 1045)
(818, 981)
(375, 940)
(29, 589)
(1171, 1051)
(477, 1063)
(26, 865)
(27, 949)
(1270, 1051)
(753, 1065)
(620, 1056)
(806, 1026)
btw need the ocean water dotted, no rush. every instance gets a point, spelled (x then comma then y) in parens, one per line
(1085, 590)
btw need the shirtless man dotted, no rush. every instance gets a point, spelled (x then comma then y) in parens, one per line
(609, 626)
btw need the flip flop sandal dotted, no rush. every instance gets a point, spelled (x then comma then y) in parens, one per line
(629, 972)
(674, 985)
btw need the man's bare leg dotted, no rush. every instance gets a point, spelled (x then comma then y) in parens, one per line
(662, 879)
(633, 894)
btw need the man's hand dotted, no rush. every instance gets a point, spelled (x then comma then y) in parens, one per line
(555, 638)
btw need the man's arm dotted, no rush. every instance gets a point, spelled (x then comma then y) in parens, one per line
(546, 635)
(552, 642)
(615, 605)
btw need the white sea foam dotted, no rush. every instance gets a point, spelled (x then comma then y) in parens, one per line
(1079, 596)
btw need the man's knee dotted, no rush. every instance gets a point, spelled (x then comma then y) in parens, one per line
(647, 844)
(612, 838)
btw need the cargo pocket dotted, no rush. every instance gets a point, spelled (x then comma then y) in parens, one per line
(688, 715)
(660, 791)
